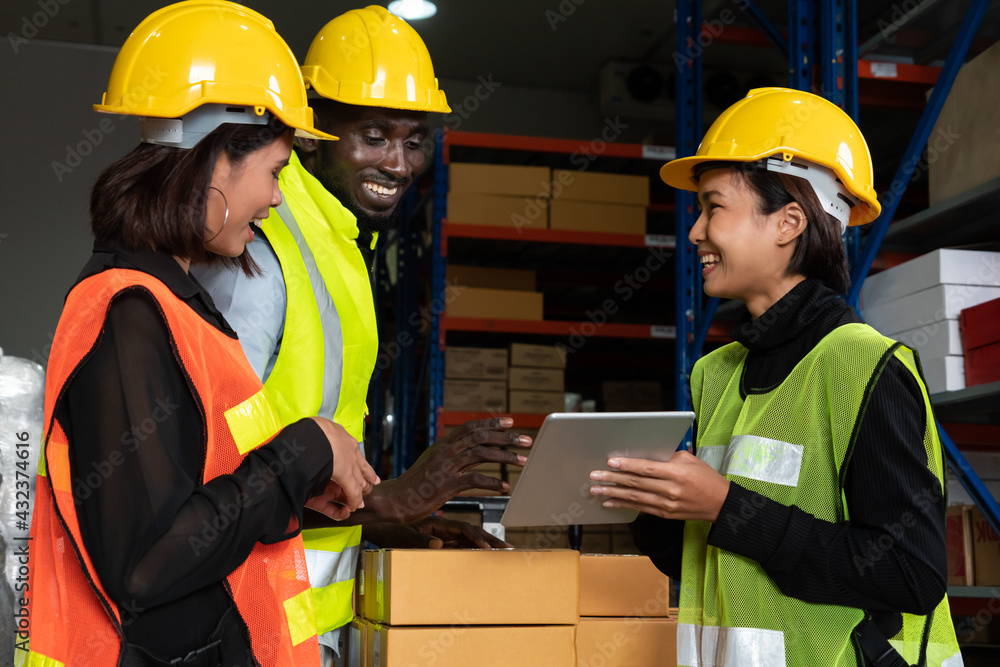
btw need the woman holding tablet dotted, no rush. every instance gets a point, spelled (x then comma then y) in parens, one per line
(808, 527)
(170, 500)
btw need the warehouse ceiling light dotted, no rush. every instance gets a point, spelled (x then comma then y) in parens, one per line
(413, 10)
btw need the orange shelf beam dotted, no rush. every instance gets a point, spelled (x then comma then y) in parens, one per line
(900, 72)
(550, 236)
(515, 142)
(716, 332)
(521, 420)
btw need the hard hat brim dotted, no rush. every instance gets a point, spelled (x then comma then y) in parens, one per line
(679, 174)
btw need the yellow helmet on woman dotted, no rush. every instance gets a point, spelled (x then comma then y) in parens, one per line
(201, 63)
(370, 57)
(792, 132)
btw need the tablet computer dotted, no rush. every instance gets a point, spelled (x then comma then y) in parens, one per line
(554, 488)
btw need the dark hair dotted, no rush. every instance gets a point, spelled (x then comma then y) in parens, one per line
(819, 251)
(156, 196)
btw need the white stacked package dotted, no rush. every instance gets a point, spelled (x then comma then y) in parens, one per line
(919, 302)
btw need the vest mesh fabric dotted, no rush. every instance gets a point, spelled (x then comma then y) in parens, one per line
(313, 237)
(77, 624)
(787, 444)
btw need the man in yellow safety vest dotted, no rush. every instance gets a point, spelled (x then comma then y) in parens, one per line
(308, 325)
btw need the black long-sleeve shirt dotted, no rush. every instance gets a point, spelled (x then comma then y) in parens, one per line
(162, 542)
(890, 556)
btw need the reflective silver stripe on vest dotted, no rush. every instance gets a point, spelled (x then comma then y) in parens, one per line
(954, 661)
(333, 338)
(705, 646)
(713, 456)
(760, 458)
(331, 567)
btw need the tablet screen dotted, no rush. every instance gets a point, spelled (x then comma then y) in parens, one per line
(554, 489)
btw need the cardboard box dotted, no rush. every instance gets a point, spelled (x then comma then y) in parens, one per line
(980, 325)
(982, 365)
(944, 374)
(475, 363)
(595, 541)
(498, 211)
(930, 305)
(498, 179)
(626, 641)
(986, 550)
(458, 646)
(477, 587)
(622, 543)
(481, 276)
(499, 304)
(538, 356)
(537, 402)
(957, 495)
(357, 644)
(596, 217)
(536, 379)
(941, 267)
(622, 586)
(964, 147)
(597, 187)
(539, 537)
(475, 395)
(630, 406)
(959, 544)
(371, 602)
(632, 391)
(936, 339)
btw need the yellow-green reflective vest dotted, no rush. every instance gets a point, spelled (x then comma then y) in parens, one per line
(789, 445)
(329, 311)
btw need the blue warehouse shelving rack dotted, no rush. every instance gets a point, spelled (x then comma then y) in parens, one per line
(821, 45)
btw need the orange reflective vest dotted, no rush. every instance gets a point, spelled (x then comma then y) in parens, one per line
(72, 620)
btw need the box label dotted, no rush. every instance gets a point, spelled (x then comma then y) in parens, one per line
(377, 653)
(667, 152)
(656, 331)
(660, 241)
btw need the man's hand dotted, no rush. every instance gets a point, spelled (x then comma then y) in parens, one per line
(442, 472)
(683, 488)
(433, 532)
(352, 477)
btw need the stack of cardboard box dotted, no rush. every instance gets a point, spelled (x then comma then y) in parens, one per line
(632, 396)
(625, 617)
(502, 294)
(981, 342)
(498, 195)
(919, 302)
(550, 608)
(595, 202)
(454, 608)
(964, 148)
(475, 379)
(973, 548)
(537, 379)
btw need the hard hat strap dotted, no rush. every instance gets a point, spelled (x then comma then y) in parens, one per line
(834, 197)
(189, 129)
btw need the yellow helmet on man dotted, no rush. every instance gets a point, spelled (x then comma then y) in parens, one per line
(370, 57)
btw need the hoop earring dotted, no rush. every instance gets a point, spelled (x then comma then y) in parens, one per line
(224, 220)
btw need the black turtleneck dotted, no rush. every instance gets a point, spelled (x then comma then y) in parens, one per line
(890, 555)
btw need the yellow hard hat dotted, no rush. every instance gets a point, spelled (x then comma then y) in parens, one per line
(201, 59)
(797, 133)
(373, 58)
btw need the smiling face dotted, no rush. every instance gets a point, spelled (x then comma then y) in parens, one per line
(744, 254)
(379, 154)
(250, 188)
